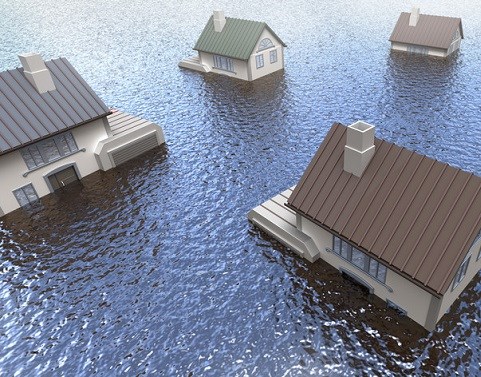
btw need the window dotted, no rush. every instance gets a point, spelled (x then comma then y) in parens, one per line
(273, 56)
(26, 195)
(221, 62)
(259, 61)
(360, 259)
(265, 44)
(461, 272)
(479, 254)
(397, 308)
(51, 149)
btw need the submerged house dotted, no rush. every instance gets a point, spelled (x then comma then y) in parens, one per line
(403, 225)
(55, 130)
(238, 48)
(426, 34)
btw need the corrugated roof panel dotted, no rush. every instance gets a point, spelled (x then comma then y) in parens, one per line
(27, 116)
(237, 39)
(30, 98)
(415, 213)
(431, 31)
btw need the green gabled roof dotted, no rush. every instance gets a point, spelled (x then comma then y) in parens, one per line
(237, 39)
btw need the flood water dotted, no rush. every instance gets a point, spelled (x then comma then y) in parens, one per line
(153, 269)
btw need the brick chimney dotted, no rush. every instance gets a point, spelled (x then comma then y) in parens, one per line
(414, 17)
(219, 20)
(359, 147)
(36, 72)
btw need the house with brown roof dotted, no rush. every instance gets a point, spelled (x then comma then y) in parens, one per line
(426, 34)
(405, 226)
(242, 49)
(54, 130)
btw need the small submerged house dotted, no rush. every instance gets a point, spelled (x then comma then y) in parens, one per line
(426, 34)
(55, 130)
(238, 48)
(403, 225)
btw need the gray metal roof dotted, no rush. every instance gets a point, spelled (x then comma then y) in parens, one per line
(430, 31)
(237, 39)
(27, 116)
(417, 215)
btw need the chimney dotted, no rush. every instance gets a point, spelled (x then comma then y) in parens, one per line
(219, 20)
(36, 72)
(414, 17)
(359, 147)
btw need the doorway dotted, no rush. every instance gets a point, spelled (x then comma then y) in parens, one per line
(63, 178)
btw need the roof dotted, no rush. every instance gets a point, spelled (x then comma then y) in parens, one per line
(431, 31)
(417, 215)
(237, 39)
(27, 116)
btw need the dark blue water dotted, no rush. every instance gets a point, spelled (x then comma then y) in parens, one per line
(153, 268)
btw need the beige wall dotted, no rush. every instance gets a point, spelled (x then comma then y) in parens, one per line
(399, 290)
(268, 67)
(240, 66)
(12, 165)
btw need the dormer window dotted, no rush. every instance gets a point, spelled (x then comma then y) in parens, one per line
(265, 44)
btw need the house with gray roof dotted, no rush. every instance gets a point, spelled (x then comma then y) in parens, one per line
(238, 48)
(426, 34)
(403, 225)
(54, 130)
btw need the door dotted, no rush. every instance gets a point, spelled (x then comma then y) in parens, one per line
(63, 178)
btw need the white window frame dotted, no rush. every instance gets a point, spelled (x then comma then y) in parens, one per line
(39, 150)
(259, 61)
(223, 63)
(461, 272)
(265, 44)
(273, 56)
(344, 250)
(22, 190)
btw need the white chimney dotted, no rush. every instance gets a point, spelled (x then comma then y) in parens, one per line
(359, 147)
(219, 20)
(36, 72)
(414, 17)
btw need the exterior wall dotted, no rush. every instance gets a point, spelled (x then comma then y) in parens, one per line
(414, 300)
(268, 68)
(12, 165)
(429, 50)
(240, 66)
(473, 268)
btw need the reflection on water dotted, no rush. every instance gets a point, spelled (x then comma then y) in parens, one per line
(153, 268)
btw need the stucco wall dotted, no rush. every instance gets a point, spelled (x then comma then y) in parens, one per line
(414, 300)
(12, 165)
(268, 67)
(240, 66)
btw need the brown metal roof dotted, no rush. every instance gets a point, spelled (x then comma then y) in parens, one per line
(431, 31)
(417, 215)
(27, 116)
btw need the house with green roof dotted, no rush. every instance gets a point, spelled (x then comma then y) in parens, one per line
(238, 48)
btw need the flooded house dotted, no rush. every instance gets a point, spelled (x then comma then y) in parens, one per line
(55, 130)
(426, 34)
(239, 48)
(403, 225)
